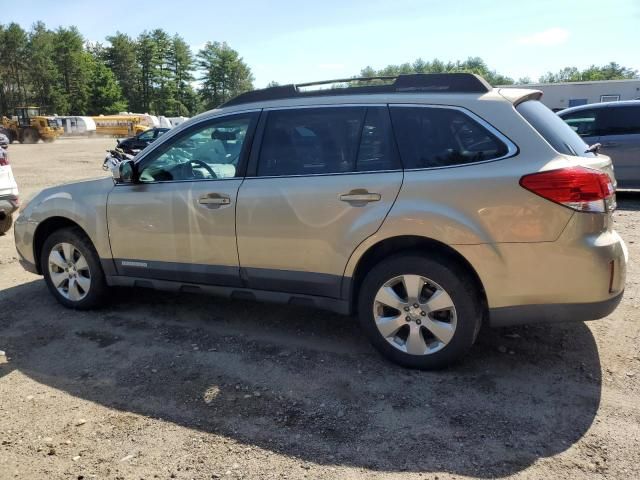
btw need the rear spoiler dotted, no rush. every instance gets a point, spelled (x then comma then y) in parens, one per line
(519, 95)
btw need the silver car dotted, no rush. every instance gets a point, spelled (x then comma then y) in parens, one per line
(427, 205)
(616, 126)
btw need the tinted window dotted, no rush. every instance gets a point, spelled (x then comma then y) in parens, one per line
(310, 141)
(619, 120)
(553, 129)
(377, 146)
(148, 135)
(208, 151)
(583, 122)
(440, 137)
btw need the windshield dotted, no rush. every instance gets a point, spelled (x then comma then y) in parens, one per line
(554, 130)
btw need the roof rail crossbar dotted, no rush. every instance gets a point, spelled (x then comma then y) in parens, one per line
(418, 82)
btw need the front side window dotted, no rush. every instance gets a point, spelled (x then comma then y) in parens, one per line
(583, 122)
(441, 137)
(208, 151)
(148, 135)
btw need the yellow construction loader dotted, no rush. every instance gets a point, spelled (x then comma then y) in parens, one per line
(29, 125)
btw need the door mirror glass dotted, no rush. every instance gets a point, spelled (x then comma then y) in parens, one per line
(124, 173)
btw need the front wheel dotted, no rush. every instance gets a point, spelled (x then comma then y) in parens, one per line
(72, 269)
(420, 312)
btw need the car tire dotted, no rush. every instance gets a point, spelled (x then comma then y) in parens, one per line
(427, 330)
(72, 269)
(5, 224)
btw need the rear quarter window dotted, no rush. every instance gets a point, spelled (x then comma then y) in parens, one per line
(562, 138)
(431, 137)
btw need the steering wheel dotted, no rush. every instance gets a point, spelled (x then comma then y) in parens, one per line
(205, 166)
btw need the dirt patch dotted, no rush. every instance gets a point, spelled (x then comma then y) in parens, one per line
(185, 386)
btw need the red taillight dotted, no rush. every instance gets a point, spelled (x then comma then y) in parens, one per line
(4, 161)
(579, 188)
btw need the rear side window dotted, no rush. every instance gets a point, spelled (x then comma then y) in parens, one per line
(553, 129)
(440, 137)
(377, 147)
(310, 141)
(622, 120)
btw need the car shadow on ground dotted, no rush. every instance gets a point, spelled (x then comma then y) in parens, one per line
(628, 200)
(304, 383)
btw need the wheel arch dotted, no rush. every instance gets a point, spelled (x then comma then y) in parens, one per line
(45, 229)
(407, 243)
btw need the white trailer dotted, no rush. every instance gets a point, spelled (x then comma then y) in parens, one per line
(558, 96)
(175, 121)
(74, 125)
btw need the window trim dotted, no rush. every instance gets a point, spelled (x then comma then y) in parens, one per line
(189, 128)
(512, 148)
(611, 95)
(252, 168)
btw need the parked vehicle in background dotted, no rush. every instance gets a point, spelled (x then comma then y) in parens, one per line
(427, 205)
(76, 125)
(29, 125)
(175, 121)
(8, 187)
(118, 125)
(141, 140)
(616, 127)
(146, 119)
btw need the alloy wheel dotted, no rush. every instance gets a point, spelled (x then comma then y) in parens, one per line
(414, 314)
(69, 271)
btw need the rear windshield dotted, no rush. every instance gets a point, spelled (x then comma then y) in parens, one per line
(554, 130)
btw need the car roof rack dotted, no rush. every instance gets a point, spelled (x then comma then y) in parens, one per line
(417, 82)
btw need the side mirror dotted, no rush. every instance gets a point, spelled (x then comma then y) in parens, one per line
(125, 172)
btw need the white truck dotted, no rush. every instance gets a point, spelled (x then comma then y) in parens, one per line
(8, 188)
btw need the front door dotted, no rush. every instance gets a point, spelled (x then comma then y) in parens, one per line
(177, 221)
(321, 182)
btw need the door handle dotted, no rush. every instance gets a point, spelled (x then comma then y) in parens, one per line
(360, 196)
(213, 200)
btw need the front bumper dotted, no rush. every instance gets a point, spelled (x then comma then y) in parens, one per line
(23, 231)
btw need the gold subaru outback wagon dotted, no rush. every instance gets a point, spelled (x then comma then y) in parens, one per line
(425, 204)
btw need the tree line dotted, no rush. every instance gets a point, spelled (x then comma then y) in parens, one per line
(159, 73)
(610, 71)
(154, 72)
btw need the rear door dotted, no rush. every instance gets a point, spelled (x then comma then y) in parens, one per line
(619, 129)
(320, 181)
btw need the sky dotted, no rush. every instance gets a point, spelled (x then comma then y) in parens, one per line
(294, 42)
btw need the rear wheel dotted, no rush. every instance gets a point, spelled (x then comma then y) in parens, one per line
(420, 312)
(72, 269)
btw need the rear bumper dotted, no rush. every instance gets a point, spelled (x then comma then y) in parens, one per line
(8, 204)
(552, 313)
(581, 276)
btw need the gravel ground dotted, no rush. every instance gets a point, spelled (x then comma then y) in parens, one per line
(194, 387)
